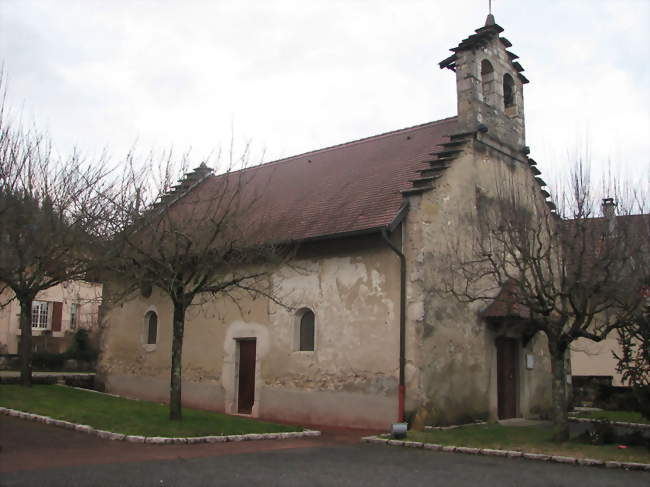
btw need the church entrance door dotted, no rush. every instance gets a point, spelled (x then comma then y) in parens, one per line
(507, 387)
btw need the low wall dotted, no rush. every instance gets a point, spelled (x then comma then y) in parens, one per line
(9, 361)
(87, 381)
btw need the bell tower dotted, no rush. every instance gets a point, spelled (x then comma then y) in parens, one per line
(489, 85)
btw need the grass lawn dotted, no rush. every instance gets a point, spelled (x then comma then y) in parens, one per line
(127, 416)
(624, 416)
(532, 439)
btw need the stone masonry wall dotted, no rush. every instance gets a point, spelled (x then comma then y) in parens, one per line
(451, 351)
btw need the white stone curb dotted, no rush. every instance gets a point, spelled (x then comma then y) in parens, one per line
(156, 440)
(96, 392)
(642, 426)
(453, 426)
(508, 453)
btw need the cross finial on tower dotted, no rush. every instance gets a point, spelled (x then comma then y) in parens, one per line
(490, 18)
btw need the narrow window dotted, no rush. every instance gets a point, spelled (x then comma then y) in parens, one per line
(487, 80)
(508, 91)
(40, 314)
(307, 331)
(74, 308)
(152, 327)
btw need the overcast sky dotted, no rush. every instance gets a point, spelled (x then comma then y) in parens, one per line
(293, 76)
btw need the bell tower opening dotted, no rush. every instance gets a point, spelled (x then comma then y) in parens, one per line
(489, 86)
(508, 92)
(487, 81)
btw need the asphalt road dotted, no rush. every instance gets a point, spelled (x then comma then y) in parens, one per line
(334, 460)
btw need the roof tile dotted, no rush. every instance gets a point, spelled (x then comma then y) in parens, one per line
(345, 188)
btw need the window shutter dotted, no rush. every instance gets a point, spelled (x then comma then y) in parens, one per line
(57, 312)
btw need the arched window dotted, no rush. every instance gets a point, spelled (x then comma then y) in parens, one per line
(487, 80)
(306, 331)
(508, 91)
(151, 328)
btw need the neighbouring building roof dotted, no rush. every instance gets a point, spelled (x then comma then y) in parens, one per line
(589, 241)
(347, 188)
(586, 237)
(599, 225)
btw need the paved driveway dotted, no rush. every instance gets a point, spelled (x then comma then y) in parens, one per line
(36, 454)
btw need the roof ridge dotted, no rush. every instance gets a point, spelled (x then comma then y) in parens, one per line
(593, 218)
(344, 144)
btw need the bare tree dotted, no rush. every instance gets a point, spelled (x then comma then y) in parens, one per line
(49, 208)
(203, 237)
(565, 272)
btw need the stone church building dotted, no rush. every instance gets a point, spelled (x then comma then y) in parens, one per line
(363, 338)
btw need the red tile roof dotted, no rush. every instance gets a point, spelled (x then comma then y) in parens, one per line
(346, 188)
(507, 304)
(587, 233)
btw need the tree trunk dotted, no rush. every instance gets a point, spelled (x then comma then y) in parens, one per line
(26, 340)
(177, 354)
(559, 392)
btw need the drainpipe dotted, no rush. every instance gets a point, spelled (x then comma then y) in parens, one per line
(402, 324)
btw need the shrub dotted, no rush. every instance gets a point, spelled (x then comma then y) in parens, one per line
(616, 398)
(605, 433)
(602, 433)
(81, 348)
(642, 394)
(634, 359)
(48, 361)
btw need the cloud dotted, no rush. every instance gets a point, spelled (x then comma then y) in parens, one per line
(295, 76)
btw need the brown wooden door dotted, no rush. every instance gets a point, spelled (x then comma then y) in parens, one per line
(507, 351)
(246, 395)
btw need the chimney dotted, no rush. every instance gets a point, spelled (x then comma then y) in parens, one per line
(609, 208)
(609, 212)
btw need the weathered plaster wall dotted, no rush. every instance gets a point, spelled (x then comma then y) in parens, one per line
(595, 358)
(350, 379)
(451, 352)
